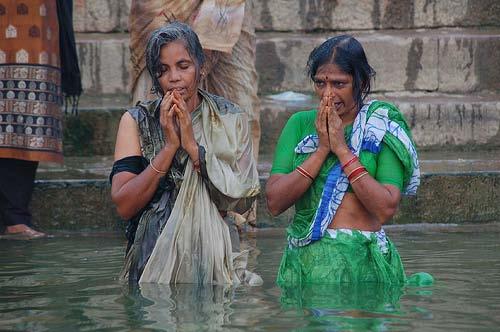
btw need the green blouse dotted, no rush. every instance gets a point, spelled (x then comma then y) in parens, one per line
(385, 166)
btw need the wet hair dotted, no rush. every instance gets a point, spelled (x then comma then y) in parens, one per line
(175, 31)
(348, 54)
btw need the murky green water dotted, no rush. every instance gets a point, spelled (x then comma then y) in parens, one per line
(69, 284)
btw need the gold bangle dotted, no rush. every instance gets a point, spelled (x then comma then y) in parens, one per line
(154, 168)
(359, 177)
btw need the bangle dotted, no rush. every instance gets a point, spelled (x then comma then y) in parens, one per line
(355, 172)
(154, 168)
(359, 177)
(304, 173)
(196, 165)
(352, 160)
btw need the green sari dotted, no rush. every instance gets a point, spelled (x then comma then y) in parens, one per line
(350, 255)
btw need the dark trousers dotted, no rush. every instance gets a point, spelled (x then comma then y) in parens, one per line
(17, 179)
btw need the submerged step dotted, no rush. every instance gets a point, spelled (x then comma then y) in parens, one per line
(82, 205)
(431, 163)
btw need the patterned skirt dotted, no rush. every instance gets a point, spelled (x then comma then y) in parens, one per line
(30, 81)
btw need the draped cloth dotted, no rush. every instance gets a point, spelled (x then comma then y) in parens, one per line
(217, 24)
(375, 122)
(316, 254)
(71, 81)
(194, 245)
(30, 81)
(226, 32)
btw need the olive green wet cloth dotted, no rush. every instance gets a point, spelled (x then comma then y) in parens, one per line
(348, 258)
(194, 245)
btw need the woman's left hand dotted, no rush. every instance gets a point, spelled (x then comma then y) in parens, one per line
(336, 133)
(188, 142)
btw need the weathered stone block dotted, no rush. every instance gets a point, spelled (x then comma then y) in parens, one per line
(81, 205)
(447, 61)
(312, 15)
(92, 132)
(447, 124)
(104, 63)
(453, 198)
(74, 205)
(100, 16)
(469, 62)
(281, 60)
(306, 15)
(465, 13)
(402, 62)
(437, 122)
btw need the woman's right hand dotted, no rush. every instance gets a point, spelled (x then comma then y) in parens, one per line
(322, 124)
(168, 121)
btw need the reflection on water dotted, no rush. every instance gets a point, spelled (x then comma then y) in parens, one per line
(344, 297)
(63, 284)
(172, 307)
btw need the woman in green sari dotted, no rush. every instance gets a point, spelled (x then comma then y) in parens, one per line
(181, 162)
(344, 166)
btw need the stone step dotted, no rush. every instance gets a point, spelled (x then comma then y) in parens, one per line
(443, 60)
(83, 205)
(431, 162)
(76, 195)
(306, 15)
(438, 121)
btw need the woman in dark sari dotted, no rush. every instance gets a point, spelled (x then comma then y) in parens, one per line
(181, 162)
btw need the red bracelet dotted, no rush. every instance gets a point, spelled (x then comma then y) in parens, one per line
(355, 172)
(304, 173)
(196, 165)
(351, 161)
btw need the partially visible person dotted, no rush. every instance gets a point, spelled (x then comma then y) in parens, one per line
(36, 47)
(227, 35)
(344, 166)
(183, 161)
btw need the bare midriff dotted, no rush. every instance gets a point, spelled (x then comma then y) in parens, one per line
(352, 214)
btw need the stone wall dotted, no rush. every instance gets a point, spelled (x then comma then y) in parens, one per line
(442, 198)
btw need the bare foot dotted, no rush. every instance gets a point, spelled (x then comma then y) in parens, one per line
(24, 231)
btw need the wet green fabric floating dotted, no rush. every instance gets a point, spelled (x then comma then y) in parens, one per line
(420, 279)
(347, 258)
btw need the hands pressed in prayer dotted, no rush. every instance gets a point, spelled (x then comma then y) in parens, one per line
(168, 121)
(175, 120)
(330, 127)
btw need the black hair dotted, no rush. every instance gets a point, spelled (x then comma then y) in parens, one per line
(348, 54)
(166, 34)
